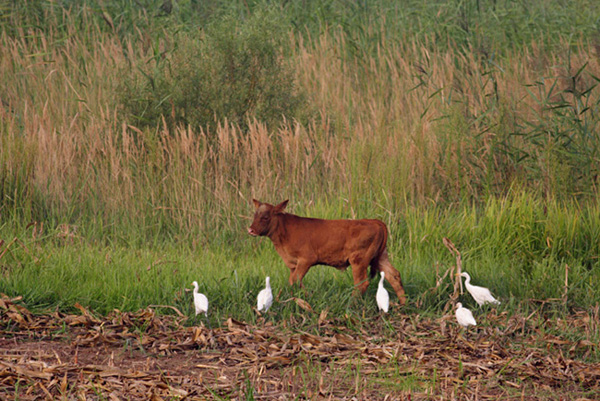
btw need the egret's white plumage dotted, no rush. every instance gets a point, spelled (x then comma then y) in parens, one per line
(464, 316)
(264, 300)
(481, 295)
(200, 301)
(383, 298)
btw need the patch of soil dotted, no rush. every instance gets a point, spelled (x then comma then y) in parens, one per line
(148, 356)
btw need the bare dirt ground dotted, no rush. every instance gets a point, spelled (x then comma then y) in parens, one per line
(143, 355)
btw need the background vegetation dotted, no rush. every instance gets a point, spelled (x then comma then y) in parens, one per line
(134, 133)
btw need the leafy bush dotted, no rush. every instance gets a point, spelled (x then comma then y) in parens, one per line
(234, 70)
(560, 144)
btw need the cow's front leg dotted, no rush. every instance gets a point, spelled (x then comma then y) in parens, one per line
(292, 265)
(292, 268)
(301, 269)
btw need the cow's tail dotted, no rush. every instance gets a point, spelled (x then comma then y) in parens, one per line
(375, 263)
(374, 268)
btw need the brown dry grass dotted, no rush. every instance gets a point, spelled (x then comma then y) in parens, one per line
(377, 129)
(146, 356)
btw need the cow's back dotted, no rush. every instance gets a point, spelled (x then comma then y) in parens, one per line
(331, 242)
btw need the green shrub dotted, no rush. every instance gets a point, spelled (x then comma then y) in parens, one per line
(560, 143)
(234, 70)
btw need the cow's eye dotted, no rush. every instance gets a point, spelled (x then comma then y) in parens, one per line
(264, 218)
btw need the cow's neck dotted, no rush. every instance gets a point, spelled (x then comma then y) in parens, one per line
(278, 233)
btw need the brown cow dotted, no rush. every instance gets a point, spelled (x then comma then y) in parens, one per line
(303, 242)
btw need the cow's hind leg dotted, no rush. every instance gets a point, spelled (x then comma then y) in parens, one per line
(391, 275)
(359, 273)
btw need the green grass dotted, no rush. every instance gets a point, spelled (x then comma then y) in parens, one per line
(504, 246)
(440, 119)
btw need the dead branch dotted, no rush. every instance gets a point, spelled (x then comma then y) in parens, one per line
(455, 273)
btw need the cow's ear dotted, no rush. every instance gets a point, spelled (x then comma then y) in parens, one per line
(279, 208)
(256, 203)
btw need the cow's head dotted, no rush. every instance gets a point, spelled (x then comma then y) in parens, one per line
(263, 222)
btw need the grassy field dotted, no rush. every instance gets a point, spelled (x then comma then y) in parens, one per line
(134, 134)
(109, 163)
(519, 248)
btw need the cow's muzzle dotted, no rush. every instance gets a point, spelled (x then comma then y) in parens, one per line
(252, 232)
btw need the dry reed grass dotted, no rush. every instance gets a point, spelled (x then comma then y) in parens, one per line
(407, 123)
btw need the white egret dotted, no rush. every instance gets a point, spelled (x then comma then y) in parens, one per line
(200, 301)
(383, 298)
(481, 295)
(464, 316)
(264, 300)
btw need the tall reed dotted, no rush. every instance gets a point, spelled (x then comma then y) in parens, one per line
(400, 124)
